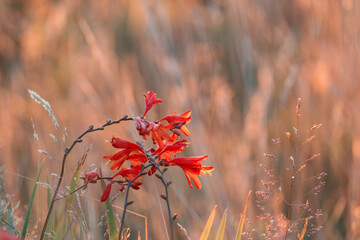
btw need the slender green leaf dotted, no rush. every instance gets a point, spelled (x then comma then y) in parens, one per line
(81, 232)
(48, 194)
(27, 218)
(63, 222)
(110, 217)
(73, 184)
(60, 228)
(208, 225)
(242, 220)
(221, 231)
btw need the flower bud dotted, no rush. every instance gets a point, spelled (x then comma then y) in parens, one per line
(106, 192)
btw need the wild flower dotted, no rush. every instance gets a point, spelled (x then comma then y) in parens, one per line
(166, 137)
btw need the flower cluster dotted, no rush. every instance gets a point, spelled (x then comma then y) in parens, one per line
(166, 136)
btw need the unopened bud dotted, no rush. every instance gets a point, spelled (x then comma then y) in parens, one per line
(163, 196)
(129, 203)
(174, 217)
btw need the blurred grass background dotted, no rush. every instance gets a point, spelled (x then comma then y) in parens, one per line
(238, 65)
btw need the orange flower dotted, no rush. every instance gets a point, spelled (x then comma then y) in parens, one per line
(192, 168)
(122, 143)
(177, 122)
(150, 100)
(158, 134)
(171, 148)
(129, 173)
(131, 151)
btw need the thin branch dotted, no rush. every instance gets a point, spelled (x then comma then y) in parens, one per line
(10, 226)
(72, 192)
(66, 153)
(166, 185)
(126, 203)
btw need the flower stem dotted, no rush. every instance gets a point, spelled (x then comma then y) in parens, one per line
(166, 185)
(126, 203)
(66, 153)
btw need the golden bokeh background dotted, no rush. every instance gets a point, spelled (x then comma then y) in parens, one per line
(239, 65)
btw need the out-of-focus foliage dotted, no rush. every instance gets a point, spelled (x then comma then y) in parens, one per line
(240, 65)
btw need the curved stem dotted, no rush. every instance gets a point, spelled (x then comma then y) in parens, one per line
(126, 203)
(66, 153)
(166, 185)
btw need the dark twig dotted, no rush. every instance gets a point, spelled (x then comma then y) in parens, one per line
(126, 203)
(66, 153)
(166, 197)
(72, 192)
(3, 220)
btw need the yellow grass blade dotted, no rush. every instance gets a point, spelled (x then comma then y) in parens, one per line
(208, 225)
(221, 231)
(242, 219)
(304, 230)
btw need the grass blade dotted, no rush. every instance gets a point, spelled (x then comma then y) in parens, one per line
(72, 186)
(221, 231)
(10, 217)
(48, 194)
(110, 217)
(26, 223)
(242, 220)
(304, 230)
(208, 225)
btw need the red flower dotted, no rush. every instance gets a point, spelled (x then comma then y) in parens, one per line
(131, 151)
(171, 148)
(150, 100)
(106, 192)
(129, 173)
(90, 177)
(142, 126)
(122, 143)
(177, 122)
(192, 168)
(158, 134)
(6, 236)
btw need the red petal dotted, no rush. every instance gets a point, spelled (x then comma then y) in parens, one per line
(137, 157)
(185, 131)
(187, 160)
(119, 155)
(122, 143)
(194, 178)
(184, 117)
